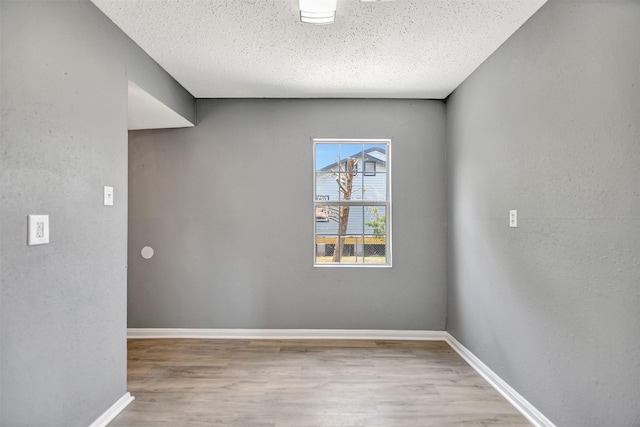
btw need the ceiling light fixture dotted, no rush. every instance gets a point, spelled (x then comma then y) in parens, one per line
(318, 12)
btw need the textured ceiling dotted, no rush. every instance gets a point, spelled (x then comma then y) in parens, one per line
(259, 48)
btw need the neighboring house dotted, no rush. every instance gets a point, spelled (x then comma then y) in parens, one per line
(369, 183)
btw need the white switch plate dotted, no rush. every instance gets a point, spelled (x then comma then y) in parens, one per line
(38, 230)
(513, 218)
(108, 196)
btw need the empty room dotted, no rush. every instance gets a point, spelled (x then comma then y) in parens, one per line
(320, 213)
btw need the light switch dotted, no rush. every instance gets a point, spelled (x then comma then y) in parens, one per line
(38, 230)
(513, 218)
(108, 196)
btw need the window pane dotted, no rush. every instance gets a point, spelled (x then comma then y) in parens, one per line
(326, 156)
(376, 152)
(350, 187)
(375, 253)
(326, 186)
(356, 153)
(353, 250)
(325, 246)
(375, 187)
(375, 247)
(374, 179)
(326, 220)
(354, 216)
(375, 221)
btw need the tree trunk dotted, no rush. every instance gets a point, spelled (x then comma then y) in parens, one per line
(345, 181)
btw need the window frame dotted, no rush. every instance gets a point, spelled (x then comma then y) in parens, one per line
(387, 204)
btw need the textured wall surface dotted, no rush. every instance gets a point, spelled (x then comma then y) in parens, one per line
(228, 208)
(64, 118)
(550, 125)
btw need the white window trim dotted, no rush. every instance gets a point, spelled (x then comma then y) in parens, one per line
(387, 204)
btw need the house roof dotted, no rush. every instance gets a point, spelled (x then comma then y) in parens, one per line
(376, 154)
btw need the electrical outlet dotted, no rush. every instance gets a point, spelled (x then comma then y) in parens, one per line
(38, 230)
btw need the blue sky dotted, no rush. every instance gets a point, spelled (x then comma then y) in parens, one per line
(326, 154)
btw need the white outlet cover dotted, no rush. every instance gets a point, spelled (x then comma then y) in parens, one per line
(513, 218)
(37, 230)
(108, 196)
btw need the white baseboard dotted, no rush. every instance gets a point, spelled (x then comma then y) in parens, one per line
(108, 415)
(520, 403)
(287, 334)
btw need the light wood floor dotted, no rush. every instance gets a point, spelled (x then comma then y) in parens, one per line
(307, 383)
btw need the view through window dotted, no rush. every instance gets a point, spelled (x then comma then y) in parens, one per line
(352, 202)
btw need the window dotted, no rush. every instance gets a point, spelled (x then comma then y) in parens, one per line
(369, 168)
(352, 202)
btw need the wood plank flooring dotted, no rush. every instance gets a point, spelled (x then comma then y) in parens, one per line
(292, 383)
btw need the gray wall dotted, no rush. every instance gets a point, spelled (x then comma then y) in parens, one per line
(227, 207)
(64, 69)
(550, 125)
